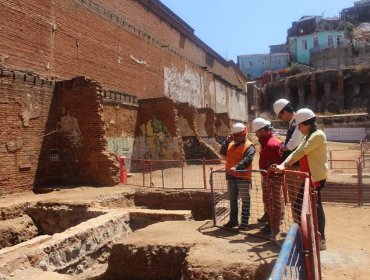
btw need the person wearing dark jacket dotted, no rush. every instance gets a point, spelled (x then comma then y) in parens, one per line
(285, 111)
(239, 154)
(270, 154)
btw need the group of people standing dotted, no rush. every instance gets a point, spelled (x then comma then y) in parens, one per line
(304, 149)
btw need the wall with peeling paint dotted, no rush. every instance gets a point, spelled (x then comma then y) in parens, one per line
(197, 88)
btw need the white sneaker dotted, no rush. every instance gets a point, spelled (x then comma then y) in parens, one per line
(323, 245)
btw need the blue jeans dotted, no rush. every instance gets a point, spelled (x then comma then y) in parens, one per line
(235, 188)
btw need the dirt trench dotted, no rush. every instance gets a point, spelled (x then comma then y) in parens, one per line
(114, 233)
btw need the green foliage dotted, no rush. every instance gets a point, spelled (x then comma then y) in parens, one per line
(293, 70)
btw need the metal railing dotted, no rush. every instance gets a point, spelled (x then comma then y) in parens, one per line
(290, 263)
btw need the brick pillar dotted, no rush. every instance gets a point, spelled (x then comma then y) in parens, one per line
(341, 88)
(313, 97)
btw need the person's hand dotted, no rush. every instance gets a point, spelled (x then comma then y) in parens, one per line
(230, 138)
(278, 167)
(283, 148)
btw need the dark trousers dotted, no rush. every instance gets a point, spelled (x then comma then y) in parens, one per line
(238, 187)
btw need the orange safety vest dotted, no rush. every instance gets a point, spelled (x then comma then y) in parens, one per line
(234, 155)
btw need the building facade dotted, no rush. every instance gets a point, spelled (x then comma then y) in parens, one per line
(255, 65)
(302, 47)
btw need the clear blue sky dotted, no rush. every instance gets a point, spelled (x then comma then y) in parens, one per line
(237, 27)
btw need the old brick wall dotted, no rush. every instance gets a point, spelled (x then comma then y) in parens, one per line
(24, 109)
(120, 116)
(121, 43)
(158, 136)
(168, 130)
(79, 143)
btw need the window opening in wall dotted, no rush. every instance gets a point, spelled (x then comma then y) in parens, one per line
(339, 40)
(304, 44)
(279, 61)
(250, 64)
(54, 155)
(315, 42)
(264, 62)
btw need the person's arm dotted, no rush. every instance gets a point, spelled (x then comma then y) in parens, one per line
(223, 150)
(247, 159)
(303, 149)
(306, 147)
(295, 140)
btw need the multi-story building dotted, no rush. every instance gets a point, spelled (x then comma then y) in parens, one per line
(313, 34)
(301, 48)
(255, 65)
(360, 12)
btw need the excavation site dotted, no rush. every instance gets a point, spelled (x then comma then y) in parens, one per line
(119, 233)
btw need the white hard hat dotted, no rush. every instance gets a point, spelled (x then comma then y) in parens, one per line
(279, 105)
(237, 128)
(259, 123)
(303, 114)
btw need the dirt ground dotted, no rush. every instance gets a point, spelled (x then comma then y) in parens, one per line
(348, 243)
(347, 225)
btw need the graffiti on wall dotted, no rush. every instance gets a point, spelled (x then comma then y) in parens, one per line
(159, 144)
(121, 146)
(184, 87)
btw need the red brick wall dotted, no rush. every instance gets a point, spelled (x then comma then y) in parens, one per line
(24, 110)
(72, 38)
(39, 118)
(76, 113)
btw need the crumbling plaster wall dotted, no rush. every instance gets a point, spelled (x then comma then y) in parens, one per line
(120, 123)
(202, 91)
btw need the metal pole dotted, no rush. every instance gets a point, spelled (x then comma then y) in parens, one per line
(204, 174)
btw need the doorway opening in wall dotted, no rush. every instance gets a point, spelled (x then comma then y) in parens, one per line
(320, 97)
(307, 94)
(295, 97)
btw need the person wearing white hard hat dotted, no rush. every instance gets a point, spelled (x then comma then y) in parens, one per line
(314, 146)
(239, 152)
(270, 154)
(285, 111)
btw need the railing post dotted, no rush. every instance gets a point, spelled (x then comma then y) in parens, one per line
(359, 182)
(204, 174)
(314, 217)
(162, 178)
(150, 173)
(330, 159)
(213, 198)
(182, 175)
